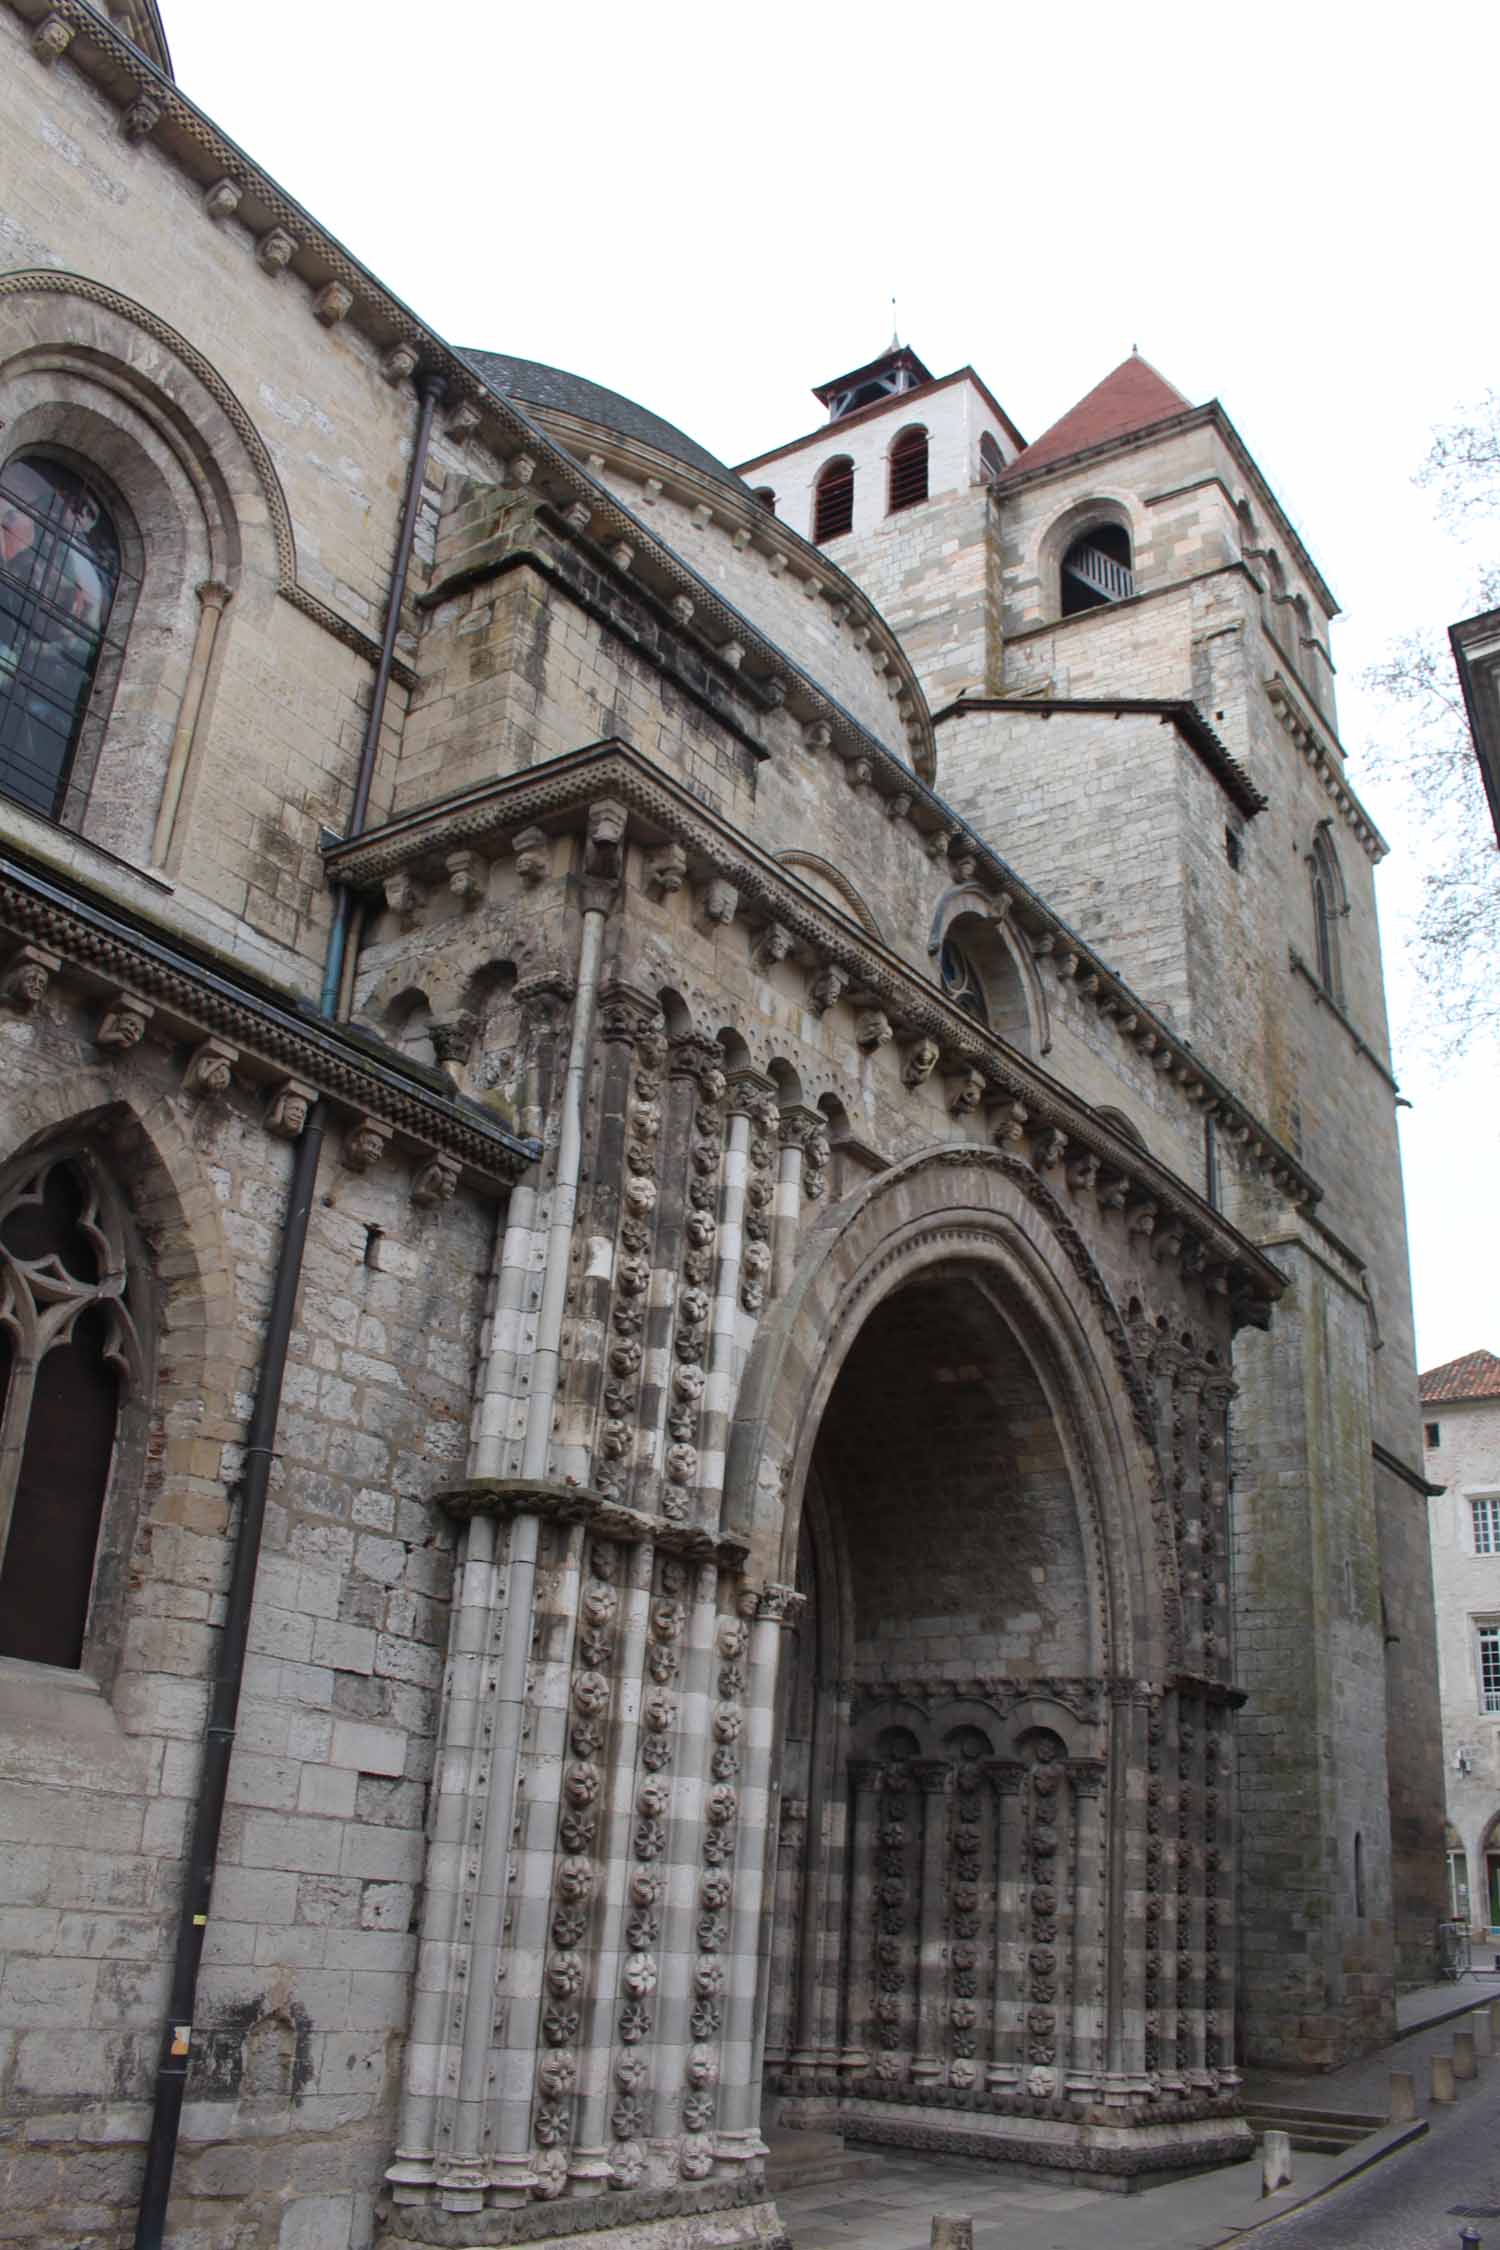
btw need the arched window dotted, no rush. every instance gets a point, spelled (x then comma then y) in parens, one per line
(991, 459)
(962, 981)
(833, 507)
(1097, 569)
(1329, 908)
(766, 497)
(908, 482)
(59, 571)
(67, 1337)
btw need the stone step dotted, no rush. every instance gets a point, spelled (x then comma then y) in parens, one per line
(798, 2160)
(1324, 2132)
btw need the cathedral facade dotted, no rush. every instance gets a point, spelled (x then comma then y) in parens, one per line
(709, 1413)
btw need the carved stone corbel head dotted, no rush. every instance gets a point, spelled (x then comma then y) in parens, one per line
(666, 870)
(365, 1143)
(435, 1181)
(27, 974)
(123, 1023)
(920, 1061)
(210, 1070)
(289, 1107)
(531, 853)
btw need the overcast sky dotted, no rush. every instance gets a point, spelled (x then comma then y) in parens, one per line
(711, 209)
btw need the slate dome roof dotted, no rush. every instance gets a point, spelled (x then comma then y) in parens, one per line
(532, 383)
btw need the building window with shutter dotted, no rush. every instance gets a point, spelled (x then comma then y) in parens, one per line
(70, 1354)
(833, 507)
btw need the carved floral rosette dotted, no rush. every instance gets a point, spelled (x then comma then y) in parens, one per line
(971, 1908)
(716, 1879)
(575, 1870)
(1044, 1810)
(698, 1060)
(760, 1193)
(628, 1020)
(1189, 1836)
(893, 1997)
(1155, 1828)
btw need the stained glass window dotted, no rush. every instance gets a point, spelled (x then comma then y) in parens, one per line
(59, 568)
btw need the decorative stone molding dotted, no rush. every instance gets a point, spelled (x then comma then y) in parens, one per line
(404, 897)
(604, 848)
(365, 1144)
(968, 1094)
(275, 250)
(26, 976)
(666, 870)
(531, 852)
(828, 986)
(124, 1022)
(434, 1182)
(466, 872)
(51, 39)
(288, 1109)
(222, 198)
(721, 903)
(918, 1062)
(141, 118)
(210, 1070)
(773, 944)
(333, 303)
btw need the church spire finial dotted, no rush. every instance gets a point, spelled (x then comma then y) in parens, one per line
(895, 342)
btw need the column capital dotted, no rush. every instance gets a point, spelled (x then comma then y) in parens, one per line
(932, 1774)
(1086, 1775)
(1004, 1775)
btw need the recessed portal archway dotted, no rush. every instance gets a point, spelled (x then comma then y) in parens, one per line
(942, 1719)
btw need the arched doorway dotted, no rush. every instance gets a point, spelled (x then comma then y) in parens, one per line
(999, 1916)
(939, 1881)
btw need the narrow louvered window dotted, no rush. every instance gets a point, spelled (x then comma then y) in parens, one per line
(833, 513)
(908, 470)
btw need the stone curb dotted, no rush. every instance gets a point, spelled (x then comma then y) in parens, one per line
(1370, 2152)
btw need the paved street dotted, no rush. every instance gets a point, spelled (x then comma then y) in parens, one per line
(1407, 2202)
(1420, 2198)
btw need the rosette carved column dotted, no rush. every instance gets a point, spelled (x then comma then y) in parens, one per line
(865, 1777)
(1006, 1777)
(934, 1779)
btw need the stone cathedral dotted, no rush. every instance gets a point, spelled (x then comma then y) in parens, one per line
(709, 1424)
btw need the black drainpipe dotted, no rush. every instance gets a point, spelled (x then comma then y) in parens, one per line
(224, 1697)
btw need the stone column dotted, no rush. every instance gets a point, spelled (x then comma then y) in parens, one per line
(791, 1850)
(588, 2164)
(739, 2138)
(798, 1127)
(213, 600)
(1190, 1851)
(1005, 1776)
(934, 1777)
(1130, 1717)
(1086, 1778)
(679, 1949)
(1197, 1584)
(865, 1777)
(817, 1914)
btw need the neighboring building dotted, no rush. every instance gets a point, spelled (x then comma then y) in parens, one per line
(1461, 1430)
(1476, 656)
(702, 1258)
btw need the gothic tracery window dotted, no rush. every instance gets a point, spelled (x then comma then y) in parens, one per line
(60, 566)
(68, 1339)
(962, 981)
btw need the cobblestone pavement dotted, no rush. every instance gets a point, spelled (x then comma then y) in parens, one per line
(1422, 2197)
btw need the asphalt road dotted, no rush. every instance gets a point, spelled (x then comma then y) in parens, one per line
(1420, 2199)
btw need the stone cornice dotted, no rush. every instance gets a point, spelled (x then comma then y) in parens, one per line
(1321, 750)
(661, 810)
(340, 290)
(269, 1039)
(572, 1503)
(1187, 719)
(739, 517)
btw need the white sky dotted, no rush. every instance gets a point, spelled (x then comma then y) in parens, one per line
(710, 209)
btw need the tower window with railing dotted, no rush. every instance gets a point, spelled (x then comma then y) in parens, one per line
(1096, 569)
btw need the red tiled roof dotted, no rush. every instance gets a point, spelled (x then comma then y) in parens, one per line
(1129, 399)
(1476, 1375)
